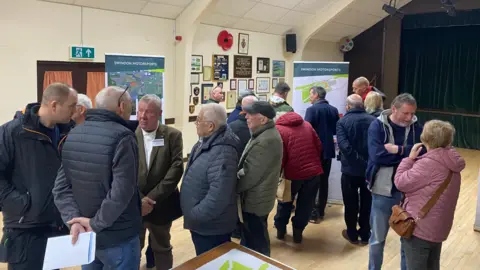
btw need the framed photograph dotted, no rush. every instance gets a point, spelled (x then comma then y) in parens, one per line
(278, 69)
(194, 78)
(207, 73)
(274, 82)
(197, 64)
(220, 84)
(220, 67)
(233, 84)
(251, 84)
(262, 97)
(243, 41)
(263, 85)
(231, 99)
(263, 65)
(206, 87)
(242, 66)
(242, 86)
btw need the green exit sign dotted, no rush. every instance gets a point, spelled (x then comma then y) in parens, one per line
(82, 52)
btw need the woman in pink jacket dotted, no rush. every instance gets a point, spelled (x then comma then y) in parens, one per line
(418, 178)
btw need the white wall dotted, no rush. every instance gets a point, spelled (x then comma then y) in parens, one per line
(33, 30)
(318, 50)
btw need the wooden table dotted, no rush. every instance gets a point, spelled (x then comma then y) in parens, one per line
(220, 250)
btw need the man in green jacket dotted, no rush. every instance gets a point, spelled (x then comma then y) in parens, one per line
(258, 175)
(279, 98)
(216, 95)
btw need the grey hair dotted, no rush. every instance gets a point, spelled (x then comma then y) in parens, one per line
(213, 89)
(320, 91)
(355, 101)
(108, 98)
(278, 115)
(152, 98)
(215, 113)
(362, 81)
(84, 101)
(249, 100)
(404, 98)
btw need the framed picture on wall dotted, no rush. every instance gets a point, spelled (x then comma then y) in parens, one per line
(220, 67)
(206, 87)
(278, 68)
(274, 82)
(263, 65)
(242, 86)
(263, 85)
(231, 99)
(251, 84)
(233, 84)
(194, 78)
(262, 97)
(197, 64)
(243, 41)
(207, 73)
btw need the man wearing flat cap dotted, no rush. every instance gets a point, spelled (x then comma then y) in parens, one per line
(258, 176)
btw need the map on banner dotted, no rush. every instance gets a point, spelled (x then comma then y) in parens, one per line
(237, 260)
(140, 82)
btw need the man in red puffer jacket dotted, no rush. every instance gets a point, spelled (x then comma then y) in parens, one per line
(301, 163)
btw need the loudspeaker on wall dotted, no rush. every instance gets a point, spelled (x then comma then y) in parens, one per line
(291, 43)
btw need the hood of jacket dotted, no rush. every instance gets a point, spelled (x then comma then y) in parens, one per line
(277, 101)
(386, 113)
(447, 157)
(291, 119)
(223, 136)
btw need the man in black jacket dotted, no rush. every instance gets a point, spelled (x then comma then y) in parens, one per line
(240, 127)
(96, 188)
(29, 159)
(352, 132)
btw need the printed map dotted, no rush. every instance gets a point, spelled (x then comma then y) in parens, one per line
(141, 82)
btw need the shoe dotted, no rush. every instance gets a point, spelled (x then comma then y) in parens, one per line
(281, 233)
(345, 235)
(297, 236)
(314, 217)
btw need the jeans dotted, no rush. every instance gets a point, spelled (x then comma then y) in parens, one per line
(421, 254)
(381, 212)
(255, 233)
(322, 195)
(357, 210)
(204, 243)
(123, 257)
(305, 191)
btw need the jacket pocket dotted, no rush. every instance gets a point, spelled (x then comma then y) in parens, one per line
(17, 205)
(13, 246)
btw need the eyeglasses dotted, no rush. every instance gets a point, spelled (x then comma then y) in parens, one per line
(198, 122)
(120, 97)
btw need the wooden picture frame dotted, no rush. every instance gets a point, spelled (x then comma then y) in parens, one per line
(263, 65)
(233, 84)
(251, 84)
(207, 73)
(197, 64)
(278, 68)
(243, 43)
(206, 87)
(220, 67)
(231, 99)
(263, 85)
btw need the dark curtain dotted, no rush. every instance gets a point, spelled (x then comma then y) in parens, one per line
(441, 68)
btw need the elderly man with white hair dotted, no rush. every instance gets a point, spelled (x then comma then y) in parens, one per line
(216, 95)
(96, 187)
(240, 126)
(83, 104)
(207, 194)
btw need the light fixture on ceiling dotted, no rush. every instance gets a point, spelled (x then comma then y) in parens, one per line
(392, 10)
(449, 7)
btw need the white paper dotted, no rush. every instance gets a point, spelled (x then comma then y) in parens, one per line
(235, 256)
(158, 142)
(61, 253)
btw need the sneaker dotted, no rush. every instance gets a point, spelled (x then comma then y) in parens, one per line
(345, 235)
(281, 233)
(297, 236)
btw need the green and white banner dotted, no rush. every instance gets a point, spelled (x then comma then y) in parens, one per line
(332, 76)
(143, 74)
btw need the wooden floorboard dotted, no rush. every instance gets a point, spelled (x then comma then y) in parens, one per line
(324, 247)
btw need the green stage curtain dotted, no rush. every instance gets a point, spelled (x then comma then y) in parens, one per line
(441, 68)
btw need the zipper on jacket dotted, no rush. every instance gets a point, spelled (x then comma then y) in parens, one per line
(23, 217)
(39, 133)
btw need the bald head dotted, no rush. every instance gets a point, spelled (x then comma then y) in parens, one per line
(115, 99)
(248, 100)
(354, 101)
(360, 85)
(216, 93)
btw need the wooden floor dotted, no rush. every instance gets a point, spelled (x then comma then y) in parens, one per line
(324, 247)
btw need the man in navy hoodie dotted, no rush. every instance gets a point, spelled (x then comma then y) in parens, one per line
(390, 139)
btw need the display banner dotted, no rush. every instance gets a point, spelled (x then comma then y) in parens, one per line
(143, 74)
(333, 77)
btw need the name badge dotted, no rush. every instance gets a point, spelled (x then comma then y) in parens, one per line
(158, 142)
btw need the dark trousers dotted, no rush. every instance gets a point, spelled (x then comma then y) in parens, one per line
(24, 249)
(322, 195)
(305, 190)
(357, 210)
(159, 240)
(149, 253)
(204, 243)
(421, 254)
(255, 233)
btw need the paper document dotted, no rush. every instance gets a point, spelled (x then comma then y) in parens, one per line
(61, 253)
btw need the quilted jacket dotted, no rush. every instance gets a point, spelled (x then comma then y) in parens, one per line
(420, 179)
(207, 194)
(301, 147)
(259, 171)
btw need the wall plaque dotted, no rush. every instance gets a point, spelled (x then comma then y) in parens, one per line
(242, 66)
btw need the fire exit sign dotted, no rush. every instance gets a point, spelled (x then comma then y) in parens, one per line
(82, 52)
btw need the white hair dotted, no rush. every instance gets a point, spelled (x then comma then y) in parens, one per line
(213, 89)
(152, 98)
(108, 98)
(215, 113)
(278, 115)
(84, 101)
(248, 100)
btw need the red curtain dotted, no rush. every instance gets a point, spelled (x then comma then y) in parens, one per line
(95, 83)
(57, 77)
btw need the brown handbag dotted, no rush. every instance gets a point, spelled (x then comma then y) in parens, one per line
(403, 223)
